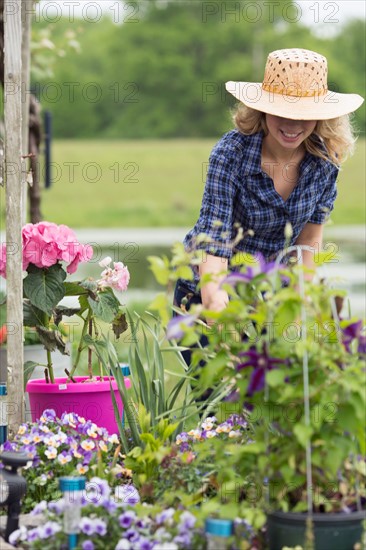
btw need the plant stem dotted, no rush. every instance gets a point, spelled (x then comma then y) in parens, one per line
(50, 367)
(90, 369)
(80, 347)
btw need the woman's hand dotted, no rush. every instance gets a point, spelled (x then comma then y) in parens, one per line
(213, 297)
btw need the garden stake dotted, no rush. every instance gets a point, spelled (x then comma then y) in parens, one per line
(309, 535)
(72, 489)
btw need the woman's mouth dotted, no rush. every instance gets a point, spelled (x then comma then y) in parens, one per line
(290, 136)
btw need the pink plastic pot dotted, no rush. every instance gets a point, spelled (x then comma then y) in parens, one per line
(93, 401)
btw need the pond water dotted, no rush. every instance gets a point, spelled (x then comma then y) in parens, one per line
(347, 271)
(133, 246)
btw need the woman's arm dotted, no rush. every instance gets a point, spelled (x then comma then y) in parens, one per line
(213, 297)
(311, 235)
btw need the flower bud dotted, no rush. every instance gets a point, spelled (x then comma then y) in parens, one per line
(105, 262)
(288, 231)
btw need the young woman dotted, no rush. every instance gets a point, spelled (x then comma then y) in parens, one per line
(278, 167)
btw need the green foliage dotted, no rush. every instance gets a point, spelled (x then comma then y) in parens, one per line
(149, 407)
(162, 73)
(259, 346)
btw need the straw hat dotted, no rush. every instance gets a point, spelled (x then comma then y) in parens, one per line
(295, 87)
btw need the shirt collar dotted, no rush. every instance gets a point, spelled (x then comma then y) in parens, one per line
(254, 166)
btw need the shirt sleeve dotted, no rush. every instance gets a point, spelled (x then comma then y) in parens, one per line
(214, 226)
(325, 203)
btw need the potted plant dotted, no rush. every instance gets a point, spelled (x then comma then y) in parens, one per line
(47, 247)
(297, 372)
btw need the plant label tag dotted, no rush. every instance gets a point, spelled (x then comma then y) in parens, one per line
(62, 386)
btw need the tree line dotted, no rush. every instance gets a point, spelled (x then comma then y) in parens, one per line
(157, 69)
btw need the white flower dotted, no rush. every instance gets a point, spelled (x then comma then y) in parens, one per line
(123, 544)
(105, 262)
(19, 534)
(113, 439)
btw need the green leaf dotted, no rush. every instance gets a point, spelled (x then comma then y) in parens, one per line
(286, 314)
(160, 268)
(303, 433)
(90, 285)
(29, 367)
(347, 417)
(184, 272)
(106, 307)
(162, 305)
(74, 289)
(32, 316)
(45, 287)
(275, 377)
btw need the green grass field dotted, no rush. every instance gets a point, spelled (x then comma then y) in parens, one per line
(155, 183)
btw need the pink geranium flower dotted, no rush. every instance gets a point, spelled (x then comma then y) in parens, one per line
(45, 244)
(117, 277)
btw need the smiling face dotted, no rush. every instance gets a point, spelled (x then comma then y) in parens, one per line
(286, 133)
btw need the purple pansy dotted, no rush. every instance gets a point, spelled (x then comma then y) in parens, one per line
(48, 415)
(86, 526)
(39, 508)
(8, 446)
(145, 544)
(57, 506)
(100, 527)
(183, 540)
(88, 545)
(33, 535)
(127, 494)
(127, 519)
(110, 506)
(186, 521)
(97, 490)
(49, 530)
(165, 516)
(132, 535)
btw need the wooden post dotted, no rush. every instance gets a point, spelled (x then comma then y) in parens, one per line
(27, 8)
(14, 193)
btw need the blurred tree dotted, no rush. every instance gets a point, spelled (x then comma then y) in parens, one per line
(160, 71)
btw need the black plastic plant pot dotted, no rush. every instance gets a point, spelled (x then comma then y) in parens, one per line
(331, 531)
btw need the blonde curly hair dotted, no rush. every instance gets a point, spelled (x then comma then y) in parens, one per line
(332, 140)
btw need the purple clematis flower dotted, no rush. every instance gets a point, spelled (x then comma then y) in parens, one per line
(259, 267)
(353, 332)
(174, 328)
(261, 362)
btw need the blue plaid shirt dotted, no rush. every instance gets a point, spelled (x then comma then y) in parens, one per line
(238, 193)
